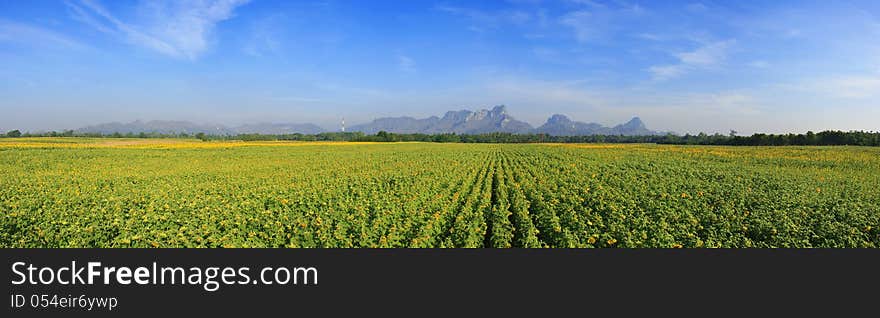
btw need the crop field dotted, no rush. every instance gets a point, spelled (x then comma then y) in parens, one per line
(77, 192)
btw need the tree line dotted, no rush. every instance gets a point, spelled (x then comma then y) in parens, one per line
(824, 138)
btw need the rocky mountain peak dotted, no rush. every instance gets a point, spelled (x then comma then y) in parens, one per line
(558, 119)
(634, 123)
(498, 111)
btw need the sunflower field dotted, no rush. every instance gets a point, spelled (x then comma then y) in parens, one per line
(78, 192)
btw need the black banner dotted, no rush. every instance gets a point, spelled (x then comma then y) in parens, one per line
(411, 282)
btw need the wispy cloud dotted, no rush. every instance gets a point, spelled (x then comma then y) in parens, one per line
(265, 36)
(595, 20)
(546, 54)
(180, 29)
(696, 7)
(481, 21)
(567, 93)
(728, 102)
(296, 99)
(759, 64)
(24, 34)
(590, 3)
(650, 36)
(841, 87)
(586, 25)
(706, 56)
(665, 72)
(406, 64)
(465, 12)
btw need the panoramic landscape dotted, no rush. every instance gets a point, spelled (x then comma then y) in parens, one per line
(439, 124)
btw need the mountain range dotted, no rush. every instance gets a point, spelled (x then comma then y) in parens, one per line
(176, 127)
(460, 122)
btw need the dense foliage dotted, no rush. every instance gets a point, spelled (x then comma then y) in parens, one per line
(72, 192)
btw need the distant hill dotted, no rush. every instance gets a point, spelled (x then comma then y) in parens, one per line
(460, 122)
(279, 129)
(155, 126)
(634, 127)
(560, 125)
(176, 127)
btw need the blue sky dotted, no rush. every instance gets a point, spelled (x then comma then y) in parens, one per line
(684, 66)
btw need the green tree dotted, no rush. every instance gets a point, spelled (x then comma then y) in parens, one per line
(14, 134)
(382, 135)
(201, 136)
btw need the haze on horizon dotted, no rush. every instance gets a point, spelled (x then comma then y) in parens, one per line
(683, 66)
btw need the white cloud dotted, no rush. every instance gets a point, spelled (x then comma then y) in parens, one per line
(406, 64)
(665, 72)
(729, 102)
(13, 32)
(265, 37)
(469, 13)
(560, 93)
(759, 64)
(595, 21)
(297, 99)
(842, 90)
(543, 21)
(484, 20)
(590, 3)
(180, 29)
(635, 9)
(81, 14)
(518, 17)
(707, 56)
(845, 87)
(584, 23)
(527, 2)
(546, 54)
(650, 36)
(696, 7)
